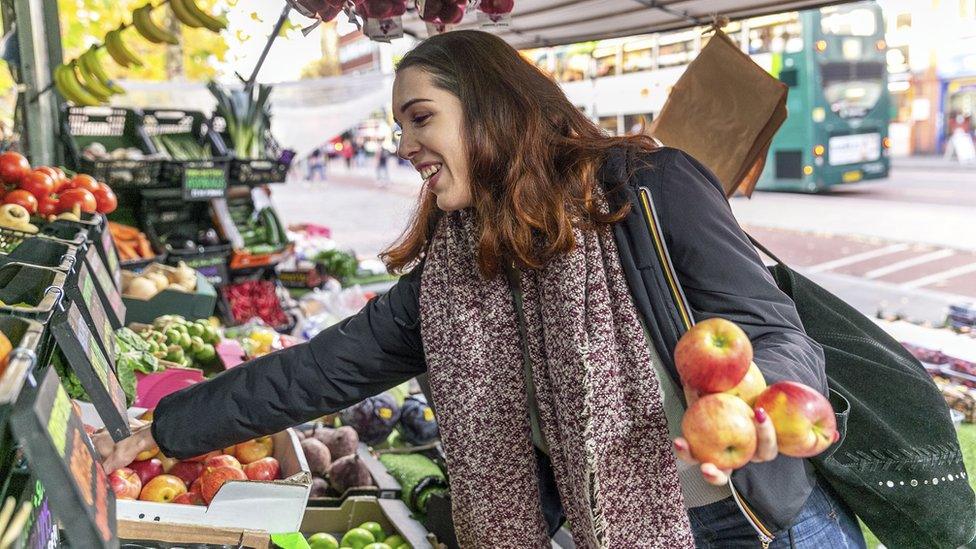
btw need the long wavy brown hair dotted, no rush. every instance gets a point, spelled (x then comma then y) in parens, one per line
(533, 155)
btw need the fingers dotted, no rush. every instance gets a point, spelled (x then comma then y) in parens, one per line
(683, 450)
(766, 447)
(714, 475)
(125, 451)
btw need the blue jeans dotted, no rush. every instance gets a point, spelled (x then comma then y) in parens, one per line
(823, 522)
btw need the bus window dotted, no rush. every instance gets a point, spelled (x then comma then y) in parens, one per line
(856, 22)
(852, 89)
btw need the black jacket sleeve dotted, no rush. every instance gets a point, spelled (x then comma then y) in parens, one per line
(723, 276)
(374, 350)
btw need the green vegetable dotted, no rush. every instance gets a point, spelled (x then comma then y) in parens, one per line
(210, 335)
(127, 340)
(338, 263)
(195, 329)
(175, 353)
(206, 354)
(173, 336)
(247, 116)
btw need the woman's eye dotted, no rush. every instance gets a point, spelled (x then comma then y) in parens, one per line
(419, 120)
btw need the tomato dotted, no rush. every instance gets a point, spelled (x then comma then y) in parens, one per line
(22, 197)
(82, 181)
(105, 199)
(60, 179)
(48, 206)
(38, 183)
(13, 166)
(81, 197)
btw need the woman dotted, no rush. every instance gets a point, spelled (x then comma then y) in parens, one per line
(535, 302)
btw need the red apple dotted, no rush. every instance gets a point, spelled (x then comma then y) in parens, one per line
(751, 386)
(713, 356)
(253, 450)
(804, 419)
(195, 486)
(125, 483)
(230, 450)
(719, 429)
(190, 498)
(147, 470)
(213, 479)
(222, 460)
(263, 469)
(163, 489)
(188, 471)
(204, 457)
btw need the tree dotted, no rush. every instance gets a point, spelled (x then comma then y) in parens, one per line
(86, 22)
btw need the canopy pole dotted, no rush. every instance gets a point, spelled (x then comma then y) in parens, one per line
(249, 85)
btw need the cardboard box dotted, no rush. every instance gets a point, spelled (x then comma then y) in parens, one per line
(391, 514)
(182, 534)
(274, 506)
(199, 304)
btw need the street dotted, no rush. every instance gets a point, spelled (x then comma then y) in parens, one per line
(901, 246)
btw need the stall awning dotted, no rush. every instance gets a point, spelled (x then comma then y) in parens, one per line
(538, 23)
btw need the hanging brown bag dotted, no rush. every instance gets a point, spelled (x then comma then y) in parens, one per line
(724, 111)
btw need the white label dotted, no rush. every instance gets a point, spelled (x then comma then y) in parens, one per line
(851, 149)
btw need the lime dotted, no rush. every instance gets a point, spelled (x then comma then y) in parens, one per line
(404, 546)
(394, 541)
(375, 529)
(377, 546)
(357, 538)
(323, 541)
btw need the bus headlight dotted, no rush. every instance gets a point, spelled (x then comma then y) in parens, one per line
(818, 150)
(808, 170)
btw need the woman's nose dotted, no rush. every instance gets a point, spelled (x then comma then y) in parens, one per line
(407, 147)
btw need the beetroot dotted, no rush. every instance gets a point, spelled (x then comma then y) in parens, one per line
(320, 487)
(317, 455)
(341, 442)
(349, 472)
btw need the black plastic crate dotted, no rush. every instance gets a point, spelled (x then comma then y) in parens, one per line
(114, 128)
(43, 252)
(39, 287)
(256, 171)
(172, 224)
(159, 122)
(26, 337)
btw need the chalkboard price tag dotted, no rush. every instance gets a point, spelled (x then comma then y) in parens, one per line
(106, 290)
(204, 183)
(62, 457)
(93, 312)
(41, 530)
(111, 255)
(85, 358)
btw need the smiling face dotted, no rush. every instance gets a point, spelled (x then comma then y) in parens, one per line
(432, 122)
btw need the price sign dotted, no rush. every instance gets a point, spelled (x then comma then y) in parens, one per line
(111, 256)
(62, 457)
(85, 358)
(41, 530)
(108, 293)
(204, 183)
(92, 311)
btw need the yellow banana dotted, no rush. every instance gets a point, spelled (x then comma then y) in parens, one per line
(184, 15)
(93, 64)
(142, 20)
(119, 51)
(89, 83)
(212, 23)
(67, 83)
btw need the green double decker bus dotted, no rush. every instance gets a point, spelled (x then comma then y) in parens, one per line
(838, 103)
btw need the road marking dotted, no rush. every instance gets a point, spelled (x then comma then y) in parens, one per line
(856, 258)
(939, 277)
(900, 265)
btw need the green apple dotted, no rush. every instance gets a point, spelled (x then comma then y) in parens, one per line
(375, 529)
(394, 541)
(357, 538)
(322, 540)
(377, 546)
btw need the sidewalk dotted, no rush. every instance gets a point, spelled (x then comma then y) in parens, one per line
(929, 162)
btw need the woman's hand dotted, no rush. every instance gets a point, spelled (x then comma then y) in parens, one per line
(766, 448)
(116, 455)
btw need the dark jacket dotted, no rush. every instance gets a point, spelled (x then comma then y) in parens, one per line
(380, 347)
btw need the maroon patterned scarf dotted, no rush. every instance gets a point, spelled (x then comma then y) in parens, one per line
(599, 402)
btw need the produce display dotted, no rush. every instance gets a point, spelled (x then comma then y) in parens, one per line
(261, 231)
(180, 146)
(419, 477)
(132, 354)
(247, 117)
(255, 299)
(369, 535)
(96, 151)
(332, 458)
(131, 243)
(195, 481)
(714, 361)
(156, 278)
(374, 418)
(188, 344)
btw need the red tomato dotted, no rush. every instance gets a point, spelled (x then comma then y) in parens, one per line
(83, 181)
(13, 166)
(38, 183)
(22, 197)
(60, 180)
(82, 197)
(48, 206)
(105, 199)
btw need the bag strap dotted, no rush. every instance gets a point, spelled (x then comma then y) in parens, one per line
(764, 250)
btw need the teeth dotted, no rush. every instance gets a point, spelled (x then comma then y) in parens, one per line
(429, 171)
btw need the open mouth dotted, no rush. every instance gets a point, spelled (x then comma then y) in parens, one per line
(430, 171)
